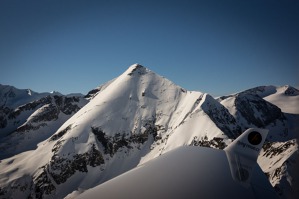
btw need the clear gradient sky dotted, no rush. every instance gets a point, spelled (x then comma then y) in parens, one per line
(215, 46)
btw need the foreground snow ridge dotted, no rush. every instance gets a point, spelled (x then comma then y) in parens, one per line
(128, 121)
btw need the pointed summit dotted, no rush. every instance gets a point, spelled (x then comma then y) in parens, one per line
(290, 91)
(137, 69)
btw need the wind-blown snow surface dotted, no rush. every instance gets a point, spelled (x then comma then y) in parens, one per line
(131, 120)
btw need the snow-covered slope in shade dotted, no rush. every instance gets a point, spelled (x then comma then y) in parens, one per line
(28, 124)
(252, 108)
(182, 173)
(10, 99)
(280, 154)
(13, 97)
(279, 161)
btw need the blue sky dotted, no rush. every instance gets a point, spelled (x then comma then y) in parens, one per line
(219, 47)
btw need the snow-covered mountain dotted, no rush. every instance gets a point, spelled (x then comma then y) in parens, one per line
(10, 99)
(27, 117)
(279, 157)
(137, 117)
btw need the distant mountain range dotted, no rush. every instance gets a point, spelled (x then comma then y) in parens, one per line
(52, 145)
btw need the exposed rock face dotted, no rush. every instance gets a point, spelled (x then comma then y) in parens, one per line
(92, 93)
(213, 143)
(113, 144)
(256, 110)
(282, 171)
(61, 168)
(3, 120)
(138, 70)
(42, 184)
(221, 117)
(60, 133)
(290, 91)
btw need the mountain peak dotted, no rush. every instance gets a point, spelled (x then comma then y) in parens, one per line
(290, 91)
(137, 69)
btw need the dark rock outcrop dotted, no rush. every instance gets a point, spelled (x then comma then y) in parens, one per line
(251, 105)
